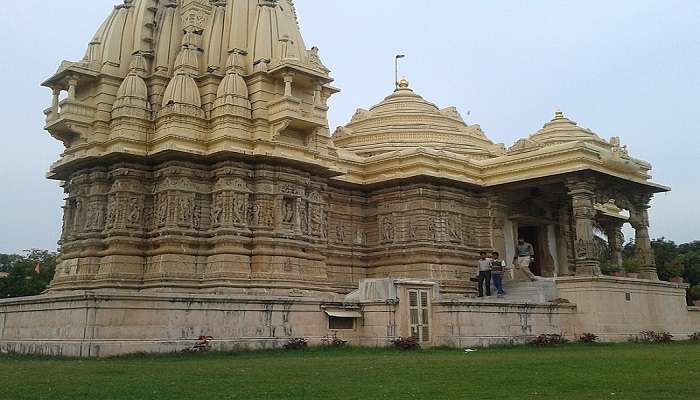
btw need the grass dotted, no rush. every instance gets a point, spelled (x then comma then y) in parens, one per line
(571, 372)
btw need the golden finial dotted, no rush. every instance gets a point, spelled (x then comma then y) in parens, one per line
(558, 114)
(403, 83)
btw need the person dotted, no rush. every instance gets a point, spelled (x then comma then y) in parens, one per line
(498, 267)
(525, 254)
(484, 274)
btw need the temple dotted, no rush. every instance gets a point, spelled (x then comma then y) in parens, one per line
(205, 194)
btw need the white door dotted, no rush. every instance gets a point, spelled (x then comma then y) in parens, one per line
(419, 314)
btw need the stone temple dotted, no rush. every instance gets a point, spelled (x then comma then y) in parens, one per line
(206, 195)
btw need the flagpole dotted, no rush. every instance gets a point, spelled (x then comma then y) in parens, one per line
(396, 69)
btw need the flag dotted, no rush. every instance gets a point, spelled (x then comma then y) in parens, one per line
(37, 269)
(400, 56)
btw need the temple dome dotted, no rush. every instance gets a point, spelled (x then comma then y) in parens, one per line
(563, 130)
(404, 120)
(182, 89)
(263, 30)
(133, 92)
(232, 94)
(231, 87)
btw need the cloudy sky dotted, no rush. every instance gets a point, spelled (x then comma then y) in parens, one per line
(628, 68)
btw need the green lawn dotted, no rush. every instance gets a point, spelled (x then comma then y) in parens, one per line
(624, 371)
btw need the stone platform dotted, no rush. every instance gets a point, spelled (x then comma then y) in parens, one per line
(100, 324)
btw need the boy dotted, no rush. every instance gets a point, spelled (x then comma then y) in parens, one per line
(484, 274)
(498, 267)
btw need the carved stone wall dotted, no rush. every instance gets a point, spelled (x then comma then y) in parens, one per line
(244, 228)
(428, 232)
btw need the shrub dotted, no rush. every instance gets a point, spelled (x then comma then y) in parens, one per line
(588, 338)
(549, 340)
(655, 337)
(296, 344)
(406, 343)
(631, 265)
(333, 341)
(609, 269)
(695, 337)
(695, 292)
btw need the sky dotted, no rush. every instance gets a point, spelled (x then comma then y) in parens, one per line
(628, 68)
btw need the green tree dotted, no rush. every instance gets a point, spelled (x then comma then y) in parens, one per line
(6, 261)
(23, 279)
(665, 251)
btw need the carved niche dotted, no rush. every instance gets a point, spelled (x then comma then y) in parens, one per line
(177, 204)
(454, 227)
(230, 203)
(317, 215)
(125, 205)
(387, 228)
(290, 204)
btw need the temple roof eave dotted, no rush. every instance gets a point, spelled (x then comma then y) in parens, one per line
(66, 70)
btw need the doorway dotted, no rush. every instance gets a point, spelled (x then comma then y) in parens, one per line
(533, 235)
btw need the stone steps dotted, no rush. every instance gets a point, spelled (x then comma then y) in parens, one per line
(542, 290)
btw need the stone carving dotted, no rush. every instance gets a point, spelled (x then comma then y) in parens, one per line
(315, 59)
(387, 229)
(413, 231)
(303, 218)
(451, 112)
(254, 215)
(340, 233)
(360, 236)
(317, 221)
(197, 216)
(359, 115)
(95, 216)
(432, 228)
(454, 228)
(525, 145)
(288, 214)
(185, 210)
(78, 215)
(217, 211)
(267, 216)
(135, 211)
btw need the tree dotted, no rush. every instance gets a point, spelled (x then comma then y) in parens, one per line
(6, 261)
(24, 279)
(665, 251)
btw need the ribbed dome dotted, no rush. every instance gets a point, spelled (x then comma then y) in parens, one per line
(563, 130)
(182, 89)
(405, 120)
(133, 92)
(263, 30)
(232, 86)
(188, 58)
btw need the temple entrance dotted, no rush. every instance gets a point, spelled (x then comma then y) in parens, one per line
(534, 236)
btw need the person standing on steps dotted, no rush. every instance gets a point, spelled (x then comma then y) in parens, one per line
(498, 267)
(525, 254)
(484, 274)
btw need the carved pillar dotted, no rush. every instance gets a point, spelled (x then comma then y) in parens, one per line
(55, 100)
(499, 214)
(288, 80)
(615, 241)
(72, 85)
(582, 192)
(639, 218)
